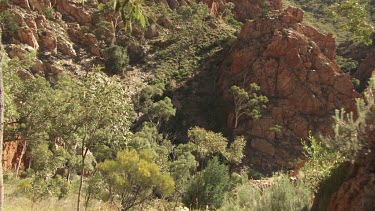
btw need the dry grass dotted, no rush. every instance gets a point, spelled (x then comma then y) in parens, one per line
(15, 202)
(70, 203)
(19, 203)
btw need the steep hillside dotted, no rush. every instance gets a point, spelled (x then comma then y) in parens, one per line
(70, 37)
(358, 189)
(295, 67)
(52, 30)
(150, 118)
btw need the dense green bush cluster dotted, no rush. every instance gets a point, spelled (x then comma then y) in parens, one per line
(208, 187)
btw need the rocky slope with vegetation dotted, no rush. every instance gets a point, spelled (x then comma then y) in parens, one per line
(295, 68)
(189, 110)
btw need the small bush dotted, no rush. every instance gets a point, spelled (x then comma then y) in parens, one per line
(116, 59)
(8, 176)
(48, 12)
(208, 187)
(283, 194)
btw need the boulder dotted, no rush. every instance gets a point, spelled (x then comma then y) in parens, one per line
(38, 68)
(40, 5)
(75, 11)
(48, 40)
(26, 35)
(65, 47)
(366, 68)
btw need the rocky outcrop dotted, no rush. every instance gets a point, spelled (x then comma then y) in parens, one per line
(12, 152)
(54, 29)
(358, 191)
(295, 68)
(244, 9)
(366, 68)
(74, 11)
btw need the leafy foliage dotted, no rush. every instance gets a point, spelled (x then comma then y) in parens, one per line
(63, 122)
(281, 194)
(357, 19)
(235, 152)
(247, 102)
(183, 166)
(350, 137)
(116, 59)
(150, 102)
(348, 20)
(134, 177)
(36, 188)
(131, 11)
(209, 143)
(208, 187)
(321, 162)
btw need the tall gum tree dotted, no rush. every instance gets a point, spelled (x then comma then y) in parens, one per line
(1, 127)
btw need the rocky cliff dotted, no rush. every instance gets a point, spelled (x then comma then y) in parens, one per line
(366, 68)
(358, 191)
(12, 153)
(56, 31)
(244, 9)
(294, 66)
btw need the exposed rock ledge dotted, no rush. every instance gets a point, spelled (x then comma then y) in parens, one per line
(295, 68)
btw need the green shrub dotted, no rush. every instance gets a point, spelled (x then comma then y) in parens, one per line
(282, 194)
(116, 59)
(208, 187)
(38, 188)
(48, 12)
(8, 176)
(347, 65)
(255, 174)
(7, 18)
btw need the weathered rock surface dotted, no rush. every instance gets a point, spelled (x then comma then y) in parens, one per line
(295, 68)
(366, 68)
(54, 29)
(11, 154)
(74, 10)
(358, 191)
(244, 9)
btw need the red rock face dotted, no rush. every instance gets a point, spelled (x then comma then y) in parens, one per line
(366, 68)
(293, 64)
(11, 154)
(39, 24)
(243, 9)
(358, 191)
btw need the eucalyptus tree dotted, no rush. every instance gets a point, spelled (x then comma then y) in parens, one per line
(104, 116)
(1, 127)
(247, 102)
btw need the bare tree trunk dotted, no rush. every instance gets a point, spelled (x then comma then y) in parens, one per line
(81, 183)
(21, 157)
(236, 121)
(1, 128)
